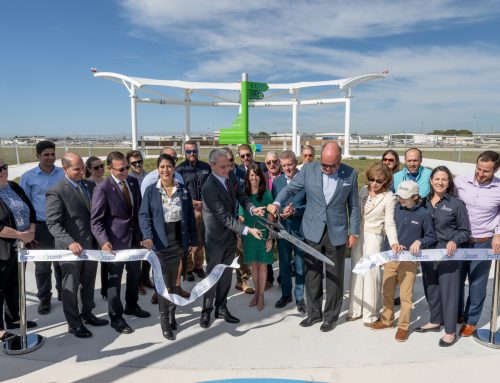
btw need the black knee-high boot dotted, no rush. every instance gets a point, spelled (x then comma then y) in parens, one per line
(171, 316)
(166, 329)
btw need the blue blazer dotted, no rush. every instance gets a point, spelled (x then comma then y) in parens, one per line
(292, 223)
(152, 223)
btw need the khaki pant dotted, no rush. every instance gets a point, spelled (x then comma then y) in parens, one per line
(404, 274)
(196, 258)
(243, 274)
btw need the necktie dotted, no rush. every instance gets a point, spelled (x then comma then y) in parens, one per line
(228, 185)
(83, 195)
(126, 195)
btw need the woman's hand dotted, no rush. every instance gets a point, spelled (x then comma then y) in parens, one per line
(26, 236)
(269, 245)
(147, 243)
(451, 247)
(397, 248)
(415, 247)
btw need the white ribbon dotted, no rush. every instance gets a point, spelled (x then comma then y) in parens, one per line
(378, 259)
(126, 256)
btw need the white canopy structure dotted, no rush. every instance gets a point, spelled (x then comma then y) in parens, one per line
(136, 85)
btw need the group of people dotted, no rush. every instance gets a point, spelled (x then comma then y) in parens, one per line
(196, 212)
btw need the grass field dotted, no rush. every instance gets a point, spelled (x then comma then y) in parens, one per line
(447, 155)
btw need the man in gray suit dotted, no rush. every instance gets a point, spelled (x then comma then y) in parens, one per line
(68, 220)
(219, 194)
(330, 224)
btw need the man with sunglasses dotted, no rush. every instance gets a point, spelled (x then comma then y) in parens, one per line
(115, 225)
(308, 153)
(194, 173)
(330, 224)
(36, 182)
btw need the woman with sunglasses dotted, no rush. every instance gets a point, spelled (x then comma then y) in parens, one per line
(391, 159)
(442, 279)
(94, 169)
(377, 204)
(17, 223)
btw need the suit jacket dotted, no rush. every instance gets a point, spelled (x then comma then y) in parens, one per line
(292, 223)
(152, 222)
(68, 217)
(219, 210)
(111, 220)
(340, 215)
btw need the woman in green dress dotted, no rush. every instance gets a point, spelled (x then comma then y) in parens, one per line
(258, 254)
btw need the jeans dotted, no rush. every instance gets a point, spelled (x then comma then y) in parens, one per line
(286, 250)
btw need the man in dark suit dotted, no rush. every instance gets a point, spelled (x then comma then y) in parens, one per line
(220, 193)
(330, 224)
(115, 225)
(68, 220)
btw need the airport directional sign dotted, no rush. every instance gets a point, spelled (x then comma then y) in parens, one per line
(259, 86)
(255, 95)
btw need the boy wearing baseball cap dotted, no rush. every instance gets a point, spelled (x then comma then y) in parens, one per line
(415, 231)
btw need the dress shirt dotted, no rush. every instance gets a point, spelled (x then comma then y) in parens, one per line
(329, 185)
(153, 177)
(119, 184)
(82, 186)
(35, 183)
(483, 205)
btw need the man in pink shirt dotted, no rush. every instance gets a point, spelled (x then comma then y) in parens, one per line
(481, 194)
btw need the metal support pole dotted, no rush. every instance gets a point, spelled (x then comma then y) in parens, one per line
(187, 100)
(16, 143)
(347, 126)
(294, 120)
(23, 343)
(133, 116)
(491, 337)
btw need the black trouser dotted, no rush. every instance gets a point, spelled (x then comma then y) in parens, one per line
(43, 271)
(145, 268)
(9, 290)
(334, 280)
(115, 271)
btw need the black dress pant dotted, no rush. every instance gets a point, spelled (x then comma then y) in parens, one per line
(442, 288)
(9, 290)
(334, 280)
(43, 271)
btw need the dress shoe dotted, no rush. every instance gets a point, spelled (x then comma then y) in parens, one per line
(467, 330)
(183, 293)
(44, 307)
(95, 321)
(154, 298)
(283, 301)
(423, 330)
(190, 276)
(200, 273)
(301, 306)
(460, 320)
(378, 325)
(401, 335)
(142, 290)
(11, 325)
(268, 285)
(121, 326)
(328, 325)
(247, 288)
(397, 301)
(308, 322)
(352, 318)
(205, 319)
(148, 283)
(59, 296)
(80, 331)
(136, 311)
(6, 336)
(226, 315)
(442, 343)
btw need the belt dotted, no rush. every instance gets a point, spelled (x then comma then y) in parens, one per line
(479, 240)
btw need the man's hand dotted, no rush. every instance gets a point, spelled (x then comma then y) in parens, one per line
(397, 248)
(258, 211)
(288, 211)
(415, 247)
(255, 232)
(147, 243)
(76, 248)
(272, 208)
(107, 247)
(451, 247)
(495, 244)
(351, 241)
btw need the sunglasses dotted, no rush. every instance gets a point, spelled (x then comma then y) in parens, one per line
(271, 162)
(4, 167)
(389, 160)
(246, 155)
(121, 170)
(96, 168)
(326, 166)
(137, 163)
(380, 182)
(191, 151)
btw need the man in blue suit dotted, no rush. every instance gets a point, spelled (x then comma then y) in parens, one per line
(330, 224)
(291, 222)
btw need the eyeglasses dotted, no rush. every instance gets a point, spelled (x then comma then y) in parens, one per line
(137, 163)
(121, 170)
(96, 168)
(327, 166)
(246, 155)
(191, 151)
(380, 182)
(4, 167)
(308, 155)
(388, 160)
(271, 162)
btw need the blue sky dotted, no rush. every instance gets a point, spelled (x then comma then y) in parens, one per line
(443, 59)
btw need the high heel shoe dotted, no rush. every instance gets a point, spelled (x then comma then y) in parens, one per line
(260, 302)
(253, 302)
